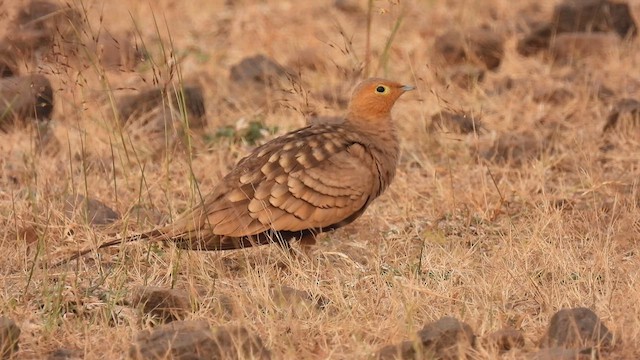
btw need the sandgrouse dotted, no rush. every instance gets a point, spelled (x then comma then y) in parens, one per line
(311, 180)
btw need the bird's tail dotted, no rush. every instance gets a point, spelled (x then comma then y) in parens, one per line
(150, 235)
(190, 240)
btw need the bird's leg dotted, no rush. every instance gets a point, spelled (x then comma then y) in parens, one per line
(307, 245)
(308, 240)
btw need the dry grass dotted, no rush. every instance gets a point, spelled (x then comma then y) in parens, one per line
(454, 235)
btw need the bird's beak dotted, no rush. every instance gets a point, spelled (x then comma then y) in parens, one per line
(407, 88)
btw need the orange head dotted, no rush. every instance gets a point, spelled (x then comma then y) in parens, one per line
(373, 98)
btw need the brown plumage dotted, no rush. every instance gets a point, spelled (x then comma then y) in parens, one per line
(311, 180)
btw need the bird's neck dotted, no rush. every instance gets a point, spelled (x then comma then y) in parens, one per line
(379, 129)
(381, 139)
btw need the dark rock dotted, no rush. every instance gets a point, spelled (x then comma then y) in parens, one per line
(505, 339)
(561, 354)
(477, 46)
(116, 51)
(460, 123)
(465, 76)
(576, 328)
(8, 63)
(347, 6)
(195, 340)
(159, 121)
(447, 338)
(9, 337)
(556, 95)
(309, 58)
(90, 210)
(189, 99)
(604, 93)
(65, 354)
(593, 16)
(621, 19)
(624, 116)
(406, 350)
(258, 69)
(25, 97)
(37, 24)
(450, 47)
(568, 47)
(539, 39)
(515, 148)
(166, 304)
(580, 16)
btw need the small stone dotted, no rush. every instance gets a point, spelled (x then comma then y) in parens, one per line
(347, 6)
(258, 69)
(558, 353)
(594, 16)
(557, 95)
(196, 340)
(539, 39)
(90, 210)
(480, 47)
(116, 51)
(515, 148)
(567, 47)
(581, 16)
(65, 354)
(505, 339)
(576, 328)
(460, 123)
(406, 350)
(9, 337)
(165, 304)
(39, 22)
(450, 47)
(445, 339)
(8, 62)
(309, 58)
(604, 93)
(188, 99)
(25, 97)
(622, 20)
(465, 76)
(624, 117)
(160, 121)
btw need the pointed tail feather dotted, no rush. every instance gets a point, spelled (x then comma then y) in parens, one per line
(151, 235)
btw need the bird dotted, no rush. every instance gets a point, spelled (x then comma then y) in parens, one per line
(308, 181)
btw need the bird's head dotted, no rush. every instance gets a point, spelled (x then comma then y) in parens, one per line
(373, 98)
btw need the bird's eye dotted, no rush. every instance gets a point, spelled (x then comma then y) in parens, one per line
(381, 89)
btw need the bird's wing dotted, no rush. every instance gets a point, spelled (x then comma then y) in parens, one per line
(316, 178)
